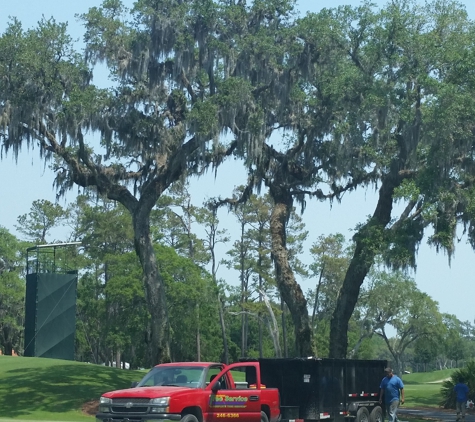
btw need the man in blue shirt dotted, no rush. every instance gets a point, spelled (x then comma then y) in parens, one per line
(461, 390)
(392, 391)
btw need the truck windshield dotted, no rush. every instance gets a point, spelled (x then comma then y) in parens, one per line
(184, 376)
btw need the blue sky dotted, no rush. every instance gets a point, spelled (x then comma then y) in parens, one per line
(28, 179)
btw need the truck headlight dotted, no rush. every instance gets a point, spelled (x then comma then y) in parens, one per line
(104, 403)
(161, 401)
(160, 404)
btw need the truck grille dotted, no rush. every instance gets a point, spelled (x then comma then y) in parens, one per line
(125, 405)
(134, 400)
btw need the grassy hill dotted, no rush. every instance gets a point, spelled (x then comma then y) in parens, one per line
(427, 377)
(55, 390)
(422, 389)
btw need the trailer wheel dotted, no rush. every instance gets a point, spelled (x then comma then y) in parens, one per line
(189, 418)
(362, 415)
(376, 415)
(264, 417)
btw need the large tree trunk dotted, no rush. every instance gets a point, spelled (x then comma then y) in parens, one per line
(259, 314)
(368, 242)
(244, 318)
(118, 363)
(288, 287)
(273, 326)
(198, 334)
(8, 348)
(284, 328)
(212, 245)
(370, 237)
(154, 289)
(223, 330)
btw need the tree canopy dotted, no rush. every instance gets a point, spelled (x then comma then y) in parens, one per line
(313, 107)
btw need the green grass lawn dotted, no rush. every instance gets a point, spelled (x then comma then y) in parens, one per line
(38, 389)
(423, 388)
(422, 395)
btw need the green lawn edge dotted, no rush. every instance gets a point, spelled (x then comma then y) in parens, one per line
(42, 389)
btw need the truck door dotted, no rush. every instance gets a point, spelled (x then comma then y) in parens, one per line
(238, 395)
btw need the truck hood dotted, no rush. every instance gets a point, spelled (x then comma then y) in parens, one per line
(145, 392)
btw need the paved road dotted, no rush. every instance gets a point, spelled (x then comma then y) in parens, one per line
(440, 415)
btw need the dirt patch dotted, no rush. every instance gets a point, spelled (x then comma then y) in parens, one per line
(90, 408)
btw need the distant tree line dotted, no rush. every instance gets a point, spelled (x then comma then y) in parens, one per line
(212, 319)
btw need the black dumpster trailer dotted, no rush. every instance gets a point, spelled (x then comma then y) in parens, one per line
(313, 389)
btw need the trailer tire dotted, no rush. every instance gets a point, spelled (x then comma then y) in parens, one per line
(376, 415)
(362, 415)
(264, 417)
(189, 418)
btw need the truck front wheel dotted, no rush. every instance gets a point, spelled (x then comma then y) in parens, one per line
(189, 418)
(264, 417)
(362, 415)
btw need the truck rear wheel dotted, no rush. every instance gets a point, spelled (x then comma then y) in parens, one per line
(362, 415)
(376, 415)
(264, 417)
(189, 418)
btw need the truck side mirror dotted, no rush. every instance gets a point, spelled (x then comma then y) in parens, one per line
(134, 384)
(216, 386)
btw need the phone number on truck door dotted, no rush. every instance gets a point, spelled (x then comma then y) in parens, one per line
(227, 415)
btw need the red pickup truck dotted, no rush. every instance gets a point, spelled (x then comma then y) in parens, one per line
(194, 392)
(264, 390)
